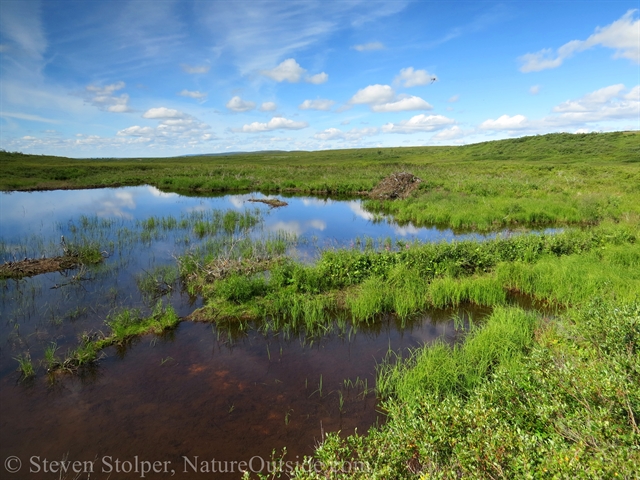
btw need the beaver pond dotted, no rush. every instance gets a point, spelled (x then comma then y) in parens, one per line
(203, 390)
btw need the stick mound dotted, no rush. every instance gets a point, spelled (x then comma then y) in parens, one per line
(396, 185)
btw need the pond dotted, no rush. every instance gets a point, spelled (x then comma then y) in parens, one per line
(202, 390)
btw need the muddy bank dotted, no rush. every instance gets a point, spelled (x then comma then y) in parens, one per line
(30, 267)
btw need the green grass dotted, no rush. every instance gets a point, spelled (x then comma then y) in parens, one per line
(542, 180)
(124, 326)
(25, 366)
(561, 269)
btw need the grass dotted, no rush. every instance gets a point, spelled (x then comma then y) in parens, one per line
(124, 326)
(25, 366)
(560, 269)
(542, 180)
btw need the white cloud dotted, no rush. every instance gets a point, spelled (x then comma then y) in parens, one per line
(623, 36)
(195, 94)
(104, 98)
(367, 47)
(317, 79)
(319, 104)
(505, 122)
(352, 135)
(373, 94)
(608, 103)
(162, 112)
(236, 104)
(288, 70)
(591, 101)
(137, 131)
(402, 105)
(449, 134)
(454, 99)
(268, 107)
(174, 128)
(534, 90)
(276, 123)
(418, 123)
(409, 77)
(195, 69)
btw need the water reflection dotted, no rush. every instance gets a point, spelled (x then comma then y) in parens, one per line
(338, 221)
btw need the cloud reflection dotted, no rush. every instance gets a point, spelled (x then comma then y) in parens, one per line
(114, 203)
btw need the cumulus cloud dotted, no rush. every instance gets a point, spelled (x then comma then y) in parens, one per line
(236, 104)
(105, 99)
(195, 69)
(317, 79)
(418, 123)
(403, 104)
(289, 70)
(368, 47)
(137, 131)
(505, 122)
(382, 98)
(449, 134)
(352, 135)
(409, 77)
(162, 112)
(454, 99)
(268, 107)
(610, 103)
(174, 127)
(276, 123)
(319, 104)
(373, 94)
(534, 90)
(195, 94)
(622, 35)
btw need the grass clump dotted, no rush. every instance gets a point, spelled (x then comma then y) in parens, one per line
(124, 326)
(25, 366)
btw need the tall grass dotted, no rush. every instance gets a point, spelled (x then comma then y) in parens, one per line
(440, 370)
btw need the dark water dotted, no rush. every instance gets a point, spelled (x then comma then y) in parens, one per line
(199, 391)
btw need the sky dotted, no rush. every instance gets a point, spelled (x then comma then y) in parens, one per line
(139, 78)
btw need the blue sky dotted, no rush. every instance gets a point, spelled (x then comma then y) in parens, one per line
(162, 78)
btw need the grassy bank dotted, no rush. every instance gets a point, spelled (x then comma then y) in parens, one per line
(542, 180)
(524, 396)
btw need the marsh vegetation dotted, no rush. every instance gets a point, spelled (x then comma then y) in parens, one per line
(531, 371)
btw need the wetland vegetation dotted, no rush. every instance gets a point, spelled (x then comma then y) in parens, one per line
(541, 388)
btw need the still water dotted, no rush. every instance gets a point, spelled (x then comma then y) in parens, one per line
(202, 390)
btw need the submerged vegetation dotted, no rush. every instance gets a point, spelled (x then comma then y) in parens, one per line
(547, 392)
